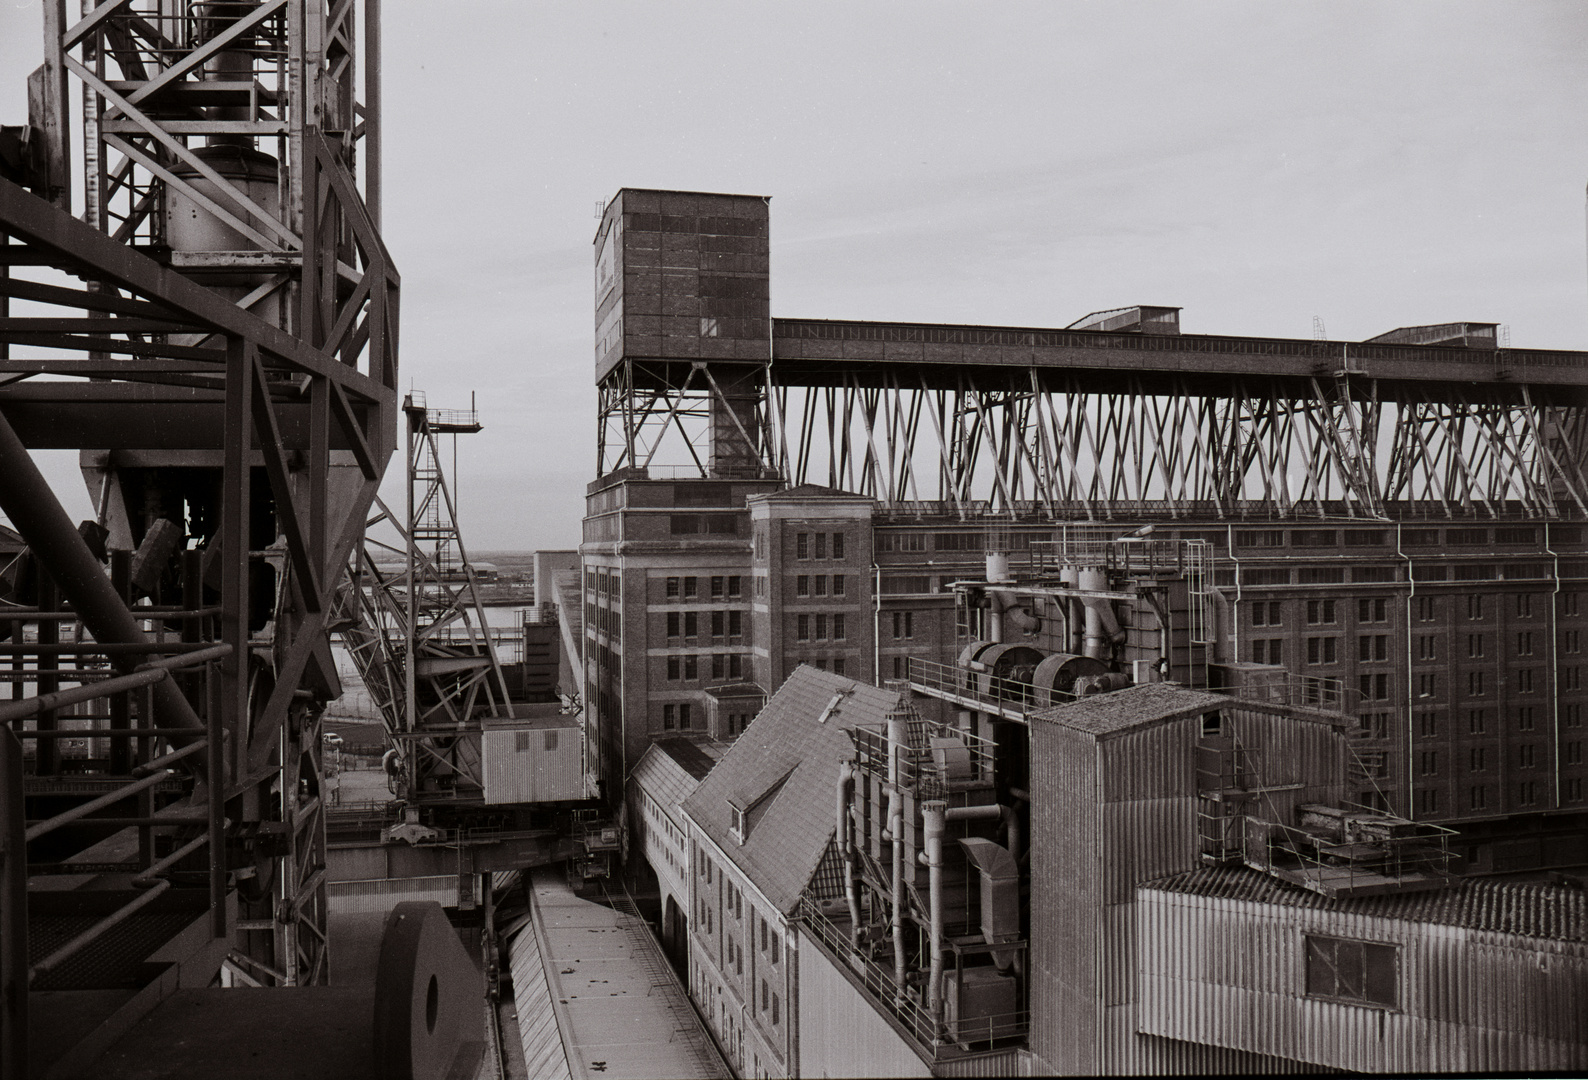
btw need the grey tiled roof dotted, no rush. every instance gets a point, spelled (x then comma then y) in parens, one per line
(670, 769)
(786, 839)
(1133, 707)
(1531, 909)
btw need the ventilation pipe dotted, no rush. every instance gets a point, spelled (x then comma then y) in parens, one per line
(935, 814)
(1000, 896)
(1102, 628)
(896, 833)
(846, 842)
(1074, 612)
(1007, 609)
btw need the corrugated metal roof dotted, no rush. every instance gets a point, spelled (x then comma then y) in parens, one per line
(1133, 707)
(784, 847)
(1531, 909)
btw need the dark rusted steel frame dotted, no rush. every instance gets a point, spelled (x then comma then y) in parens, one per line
(343, 318)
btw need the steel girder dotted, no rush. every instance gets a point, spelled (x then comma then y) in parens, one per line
(1036, 441)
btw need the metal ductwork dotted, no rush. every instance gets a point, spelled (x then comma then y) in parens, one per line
(1000, 895)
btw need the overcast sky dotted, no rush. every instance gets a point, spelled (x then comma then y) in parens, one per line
(1376, 165)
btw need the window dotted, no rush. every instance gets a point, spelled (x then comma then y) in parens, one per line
(838, 631)
(1477, 797)
(1524, 718)
(691, 667)
(1571, 715)
(672, 588)
(1568, 603)
(1524, 755)
(1259, 538)
(1370, 609)
(1428, 800)
(838, 584)
(821, 628)
(1477, 759)
(1374, 687)
(673, 668)
(718, 623)
(717, 586)
(1474, 645)
(820, 546)
(1267, 613)
(802, 585)
(1426, 684)
(1268, 651)
(669, 717)
(1571, 678)
(1475, 683)
(1320, 611)
(1475, 606)
(802, 545)
(1527, 792)
(691, 624)
(1372, 647)
(838, 665)
(775, 1019)
(766, 996)
(1428, 762)
(683, 724)
(903, 624)
(1425, 609)
(898, 667)
(1524, 681)
(821, 584)
(1357, 971)
(1426, 649)
(1572, 753)
(734, 586)
(838, 545)
(1477, 721)
(1524, 643)
(803, 627)
(735, 624)
(1374, 725)
(1571, 790)
(672, 624)
(1570, 641)
(1428, 725)
(1524, 605)
(719, 665)
(1321, 650)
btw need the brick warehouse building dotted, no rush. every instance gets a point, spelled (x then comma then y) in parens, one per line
(1451, 620)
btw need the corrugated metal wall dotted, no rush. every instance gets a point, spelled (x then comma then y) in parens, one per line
(1231, 972)
(549, 769)
(383, 894)
(840, 1031)
(1066, 897)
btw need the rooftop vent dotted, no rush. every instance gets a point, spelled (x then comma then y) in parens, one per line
(1467, 335)
(1139, 319)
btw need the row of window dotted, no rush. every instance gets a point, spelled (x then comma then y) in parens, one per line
(686, 624)
(1479, 757)
(820, 627)
(819, 545)
(817, 585)
(1429, 721)
(1425, 608)
(691, 666)
(721, 586)
(821, 664)
(1528, 793)
(1461, 537)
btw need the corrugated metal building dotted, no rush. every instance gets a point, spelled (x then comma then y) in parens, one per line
(1114, 789)
(1484, 977)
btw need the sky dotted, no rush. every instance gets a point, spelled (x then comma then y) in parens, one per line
(1373, 165)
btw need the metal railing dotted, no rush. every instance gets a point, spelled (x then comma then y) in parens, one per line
(984, 691)
(15, 971)
(931, 1037)
(919, 769)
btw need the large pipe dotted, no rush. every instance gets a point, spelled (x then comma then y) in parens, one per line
(1102, 628)
(31, 505)
(935, 814)
(1006, 815)
(896, 832)
(846, 843)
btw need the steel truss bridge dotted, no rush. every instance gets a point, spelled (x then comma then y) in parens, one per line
(231, 388)
(1072, 424)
